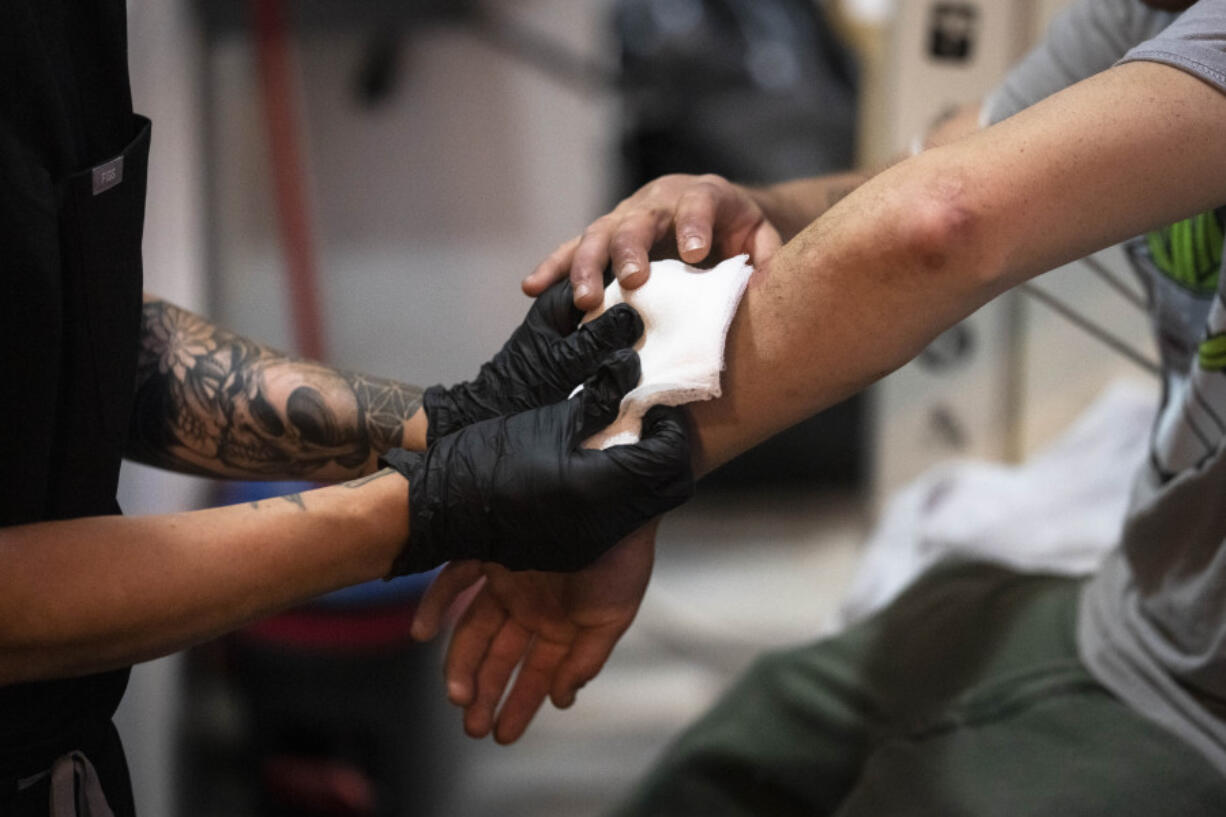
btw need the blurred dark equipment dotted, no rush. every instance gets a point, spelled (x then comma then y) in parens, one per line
(953, 29)
(335, 705)
(757, 91)
(377, 74)
(328, 706)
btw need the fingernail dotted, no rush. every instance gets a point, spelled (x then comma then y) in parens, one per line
(582, 291)
(455, 692)
(693, 243)
(628, 269)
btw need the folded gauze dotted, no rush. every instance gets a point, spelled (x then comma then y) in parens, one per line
(686, 313)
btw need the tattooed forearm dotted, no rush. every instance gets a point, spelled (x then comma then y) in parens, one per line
(212, 402)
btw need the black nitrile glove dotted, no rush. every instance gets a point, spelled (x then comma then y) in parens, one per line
(518, 490)
(542, 363)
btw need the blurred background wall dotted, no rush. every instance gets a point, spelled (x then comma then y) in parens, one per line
(444, 152)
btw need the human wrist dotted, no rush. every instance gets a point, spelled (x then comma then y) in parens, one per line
(416, 430)
(379, 509)
(444, 412)
(780, 207)
(420, 554)
(767, 197)
(362, 524)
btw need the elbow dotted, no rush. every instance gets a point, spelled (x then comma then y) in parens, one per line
(948, 235)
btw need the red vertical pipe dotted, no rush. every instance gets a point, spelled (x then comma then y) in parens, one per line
(293, 219)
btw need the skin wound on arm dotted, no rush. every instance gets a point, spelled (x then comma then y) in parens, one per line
(214, 403)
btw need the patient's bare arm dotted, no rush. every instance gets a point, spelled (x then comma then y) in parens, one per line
(863, 288)
(694, 218)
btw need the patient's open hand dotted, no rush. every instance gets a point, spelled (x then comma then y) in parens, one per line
(558, 628)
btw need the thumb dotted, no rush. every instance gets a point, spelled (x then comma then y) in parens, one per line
(596, 406)
(764, 243)
(664, 443)
(555, 310)
(662, 457)
(582, 351)
(665, 429)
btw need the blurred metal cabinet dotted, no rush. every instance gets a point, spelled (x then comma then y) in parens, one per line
(961, 396)
(947, 53)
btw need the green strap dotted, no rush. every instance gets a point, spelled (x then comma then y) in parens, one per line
(1212, 355)
(1213, 234)
(1189, 251)
(1158, 241)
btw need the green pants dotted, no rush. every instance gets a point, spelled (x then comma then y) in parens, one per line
(965, 697)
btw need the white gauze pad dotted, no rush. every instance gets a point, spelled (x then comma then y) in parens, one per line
(686, 313)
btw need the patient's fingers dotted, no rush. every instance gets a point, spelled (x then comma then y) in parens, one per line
(531, 686)
(587, 656)
(764, 243)
(590, 259)
(695, 219)
(452, 580)
(476, 629)
(553, 269)
(631, 243)
(504, 654)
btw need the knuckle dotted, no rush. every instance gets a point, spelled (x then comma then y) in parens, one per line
(665, 186)
(624, 246)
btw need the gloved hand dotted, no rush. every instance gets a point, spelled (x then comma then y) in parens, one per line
(518, 490)
(542, 363)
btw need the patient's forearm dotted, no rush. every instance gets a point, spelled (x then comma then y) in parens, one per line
(921, 245)
(793, 205)
(853, 296)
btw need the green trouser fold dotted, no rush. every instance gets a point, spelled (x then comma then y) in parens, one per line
(964, 697)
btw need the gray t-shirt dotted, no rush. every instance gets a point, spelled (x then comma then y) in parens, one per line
(1152, 625)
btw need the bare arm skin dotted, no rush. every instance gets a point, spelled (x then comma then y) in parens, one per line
(186, 577)
(793, 205)
(856, 294)
(926, 242)
(99, 592)
(211, 402)
(690, 217)
(700, 218)
(90, 594)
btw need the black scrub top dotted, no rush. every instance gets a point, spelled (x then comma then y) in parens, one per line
(72, 179)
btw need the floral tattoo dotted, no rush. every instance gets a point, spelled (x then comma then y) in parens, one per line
(211, 402)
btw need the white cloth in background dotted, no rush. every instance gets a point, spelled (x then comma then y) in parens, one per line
(686, 313)
(1060, 512)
